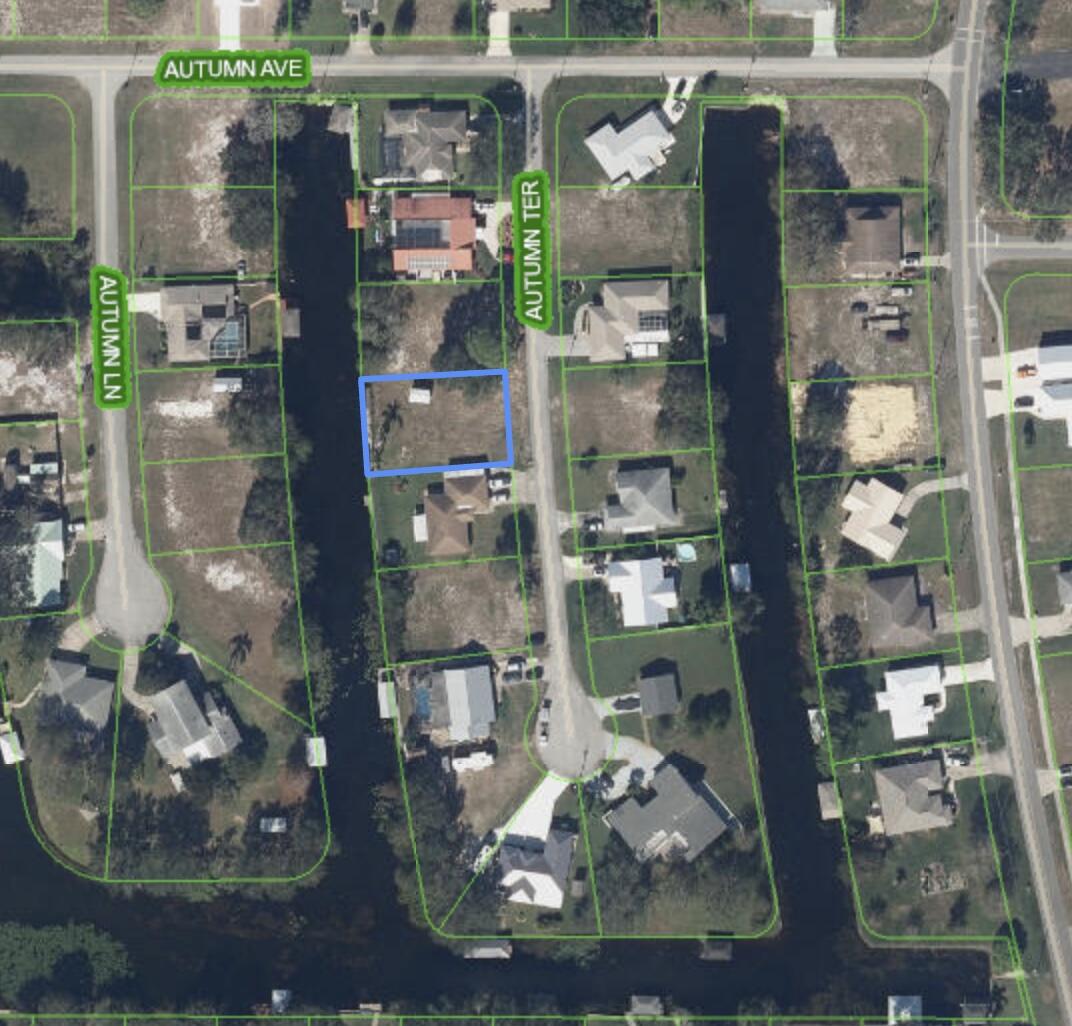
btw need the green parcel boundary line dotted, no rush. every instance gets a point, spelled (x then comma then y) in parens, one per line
(1009, 941)
(233, 680)
(473, 34)
(1062, 800)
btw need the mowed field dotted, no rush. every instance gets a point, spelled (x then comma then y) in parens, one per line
(48, 164)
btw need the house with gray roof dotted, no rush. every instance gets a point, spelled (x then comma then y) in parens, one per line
(535, 872)
(677, 819)
(912, 797)
(635, 148)
(87, 689)
(183, 734)
(897, 612)
(630, 322)
(204, 322)
(874, 246)
(645, 501)
(419, 143)
(660, 693)
(458, 700)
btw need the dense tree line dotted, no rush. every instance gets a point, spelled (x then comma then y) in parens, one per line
(1036, 156)
(815, 222)
(76, 963)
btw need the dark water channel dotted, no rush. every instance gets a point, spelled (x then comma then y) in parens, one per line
(346, 939)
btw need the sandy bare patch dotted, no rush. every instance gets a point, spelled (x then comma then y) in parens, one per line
(28, 389)
(882, 422)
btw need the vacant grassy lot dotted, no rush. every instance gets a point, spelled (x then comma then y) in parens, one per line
(873, 18)
(448, 22)
(493, 796)
(629, 231)
(879, 143)
(180, 497)
(686, 19)
(1040, 443)
(179, 138)
(1057, 674)
(38, 372)
(47, 207)
(889, 880)
(823, 327)
(1042, 498)
(189, 231)
(402, 324)
(228, 607)
(177, 19)
(324, 20)
(50, 19)
(450, 608)
(182, 418)
(464, 423)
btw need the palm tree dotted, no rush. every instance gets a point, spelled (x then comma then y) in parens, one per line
(241, 646)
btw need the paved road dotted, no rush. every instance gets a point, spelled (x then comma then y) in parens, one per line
(963, 97)
(130, 601)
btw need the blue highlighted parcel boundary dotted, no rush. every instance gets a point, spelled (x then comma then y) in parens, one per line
(367, 379)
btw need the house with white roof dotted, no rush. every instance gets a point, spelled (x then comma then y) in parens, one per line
(634, 149)
(536, 872)
(1042, 379)
(47, 569)
(873, 523)
(646, 594)
(914, 695)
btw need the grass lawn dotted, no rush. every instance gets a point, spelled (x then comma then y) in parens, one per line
(49, 19)
(179, 139)
(494, 796)
(449, 23)
(879, 142)
(1040, 443)
(48, 165)
(1042, 495)
(181, 416)
(822, 327)
(68, 779)
(325, 20)
(473, 606)
(187, 231)
(1057, 675)
(578, 118)
(38, 370)
(926, 527)
(883, 21)
(617, 412)
(871, 732)
(177, 19)
(686, 19)
(226, 798)
(178, 495)
(402, 324)
(888, 882)
(464, 423)
(845, 595)
(227, 608)
(655, 230)
(396, 498)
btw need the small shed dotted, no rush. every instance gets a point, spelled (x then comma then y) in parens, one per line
(660, 694)
(316, 752)
(273, 825)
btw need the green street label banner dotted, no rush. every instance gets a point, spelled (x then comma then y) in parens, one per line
(238, 69)
(111, 339)
(532, 249)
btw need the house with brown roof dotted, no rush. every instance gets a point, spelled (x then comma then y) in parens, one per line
(433, 234)
(874, 246)
(448, 513)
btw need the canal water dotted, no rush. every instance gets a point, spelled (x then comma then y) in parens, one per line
(346, 939)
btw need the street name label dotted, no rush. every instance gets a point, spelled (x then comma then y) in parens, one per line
(532, 249)
(239, 69)
(111, 339)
